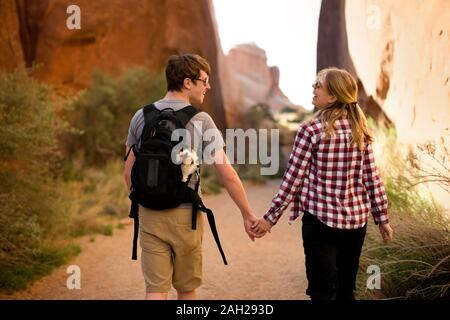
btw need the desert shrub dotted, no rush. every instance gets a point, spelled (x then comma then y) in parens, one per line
(101, 115)
(416, 265)
(32, 209)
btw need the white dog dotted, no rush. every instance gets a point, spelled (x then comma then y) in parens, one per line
(189, 163)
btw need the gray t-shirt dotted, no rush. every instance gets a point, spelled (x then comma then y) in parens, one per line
(196, 127)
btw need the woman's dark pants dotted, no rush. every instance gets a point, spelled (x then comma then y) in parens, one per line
(332, 259)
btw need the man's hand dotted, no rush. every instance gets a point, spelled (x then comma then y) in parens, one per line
(233, 184)
(261, 226)
(248, 223)
(386, 232)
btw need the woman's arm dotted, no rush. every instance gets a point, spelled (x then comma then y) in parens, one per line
(297, 164)
(378, 199)
(375, 187)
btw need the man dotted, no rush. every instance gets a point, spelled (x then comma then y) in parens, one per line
(171, 250)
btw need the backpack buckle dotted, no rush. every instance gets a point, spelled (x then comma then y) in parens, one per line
(152, 132)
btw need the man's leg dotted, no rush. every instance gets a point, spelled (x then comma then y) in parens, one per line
(156, 254)
(190, 295)
(156, 296)
(187, 271)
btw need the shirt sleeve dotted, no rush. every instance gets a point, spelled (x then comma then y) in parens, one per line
(297, 164)
(375, 187)
(217, 139)
(132, 131)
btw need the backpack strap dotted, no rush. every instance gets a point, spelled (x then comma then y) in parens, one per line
(134, 214)
(185, 114)
(212, 225)
(150, 111)
(128, 153)
(197, 204)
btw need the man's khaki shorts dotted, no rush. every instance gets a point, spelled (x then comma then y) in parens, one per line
(171, 250)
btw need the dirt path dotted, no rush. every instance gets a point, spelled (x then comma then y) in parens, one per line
(270, 268)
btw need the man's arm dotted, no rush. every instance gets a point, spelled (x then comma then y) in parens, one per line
(232, 183)
(235, 189)
(128, 166)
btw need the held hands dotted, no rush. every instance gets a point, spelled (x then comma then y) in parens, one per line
(261, 227)
(249, 222)
(256, 228)
(386, 232)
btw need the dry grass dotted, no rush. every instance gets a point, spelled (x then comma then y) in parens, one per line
(416, 265)
(99, 201)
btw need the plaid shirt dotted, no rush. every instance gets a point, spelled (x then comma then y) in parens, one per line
(330, 179)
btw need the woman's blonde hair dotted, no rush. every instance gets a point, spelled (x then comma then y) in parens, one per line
(340, 84)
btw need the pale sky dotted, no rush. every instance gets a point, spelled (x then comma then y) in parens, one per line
(285, 29)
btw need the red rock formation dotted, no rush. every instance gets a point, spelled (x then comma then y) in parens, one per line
(248, 80)
(401, 51)
(117, 34)
(11, 54)
(332, 51)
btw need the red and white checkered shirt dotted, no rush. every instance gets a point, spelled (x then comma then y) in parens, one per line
(331, 179)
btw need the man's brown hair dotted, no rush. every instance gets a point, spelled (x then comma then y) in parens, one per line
(180, 67)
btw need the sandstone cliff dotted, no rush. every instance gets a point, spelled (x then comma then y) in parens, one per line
(11, 54)
(401, 52)
(332, 51)
(248, 80)
(114, 34)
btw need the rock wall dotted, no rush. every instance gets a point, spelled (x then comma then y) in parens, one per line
(333, 51)
(11, 54)
(114, 35)
(248, 80)
(401, 52)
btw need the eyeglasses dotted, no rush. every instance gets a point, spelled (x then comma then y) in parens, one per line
(317, 84)
(205, 81)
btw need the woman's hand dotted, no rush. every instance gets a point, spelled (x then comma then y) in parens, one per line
(249, 221)
(261, 226)
(386, 232)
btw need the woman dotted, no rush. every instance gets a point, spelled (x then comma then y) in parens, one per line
(332, 178)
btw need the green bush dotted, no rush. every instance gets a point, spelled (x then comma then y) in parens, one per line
(258, 117)
(101, 114)
(31, 203)
(99, 201)
(41, 262)
(210, 182)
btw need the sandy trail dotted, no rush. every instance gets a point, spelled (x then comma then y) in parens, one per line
(270, 268)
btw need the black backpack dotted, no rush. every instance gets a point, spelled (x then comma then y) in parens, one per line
(156, 180)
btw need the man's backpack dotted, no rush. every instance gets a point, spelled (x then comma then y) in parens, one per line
(156, 181)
